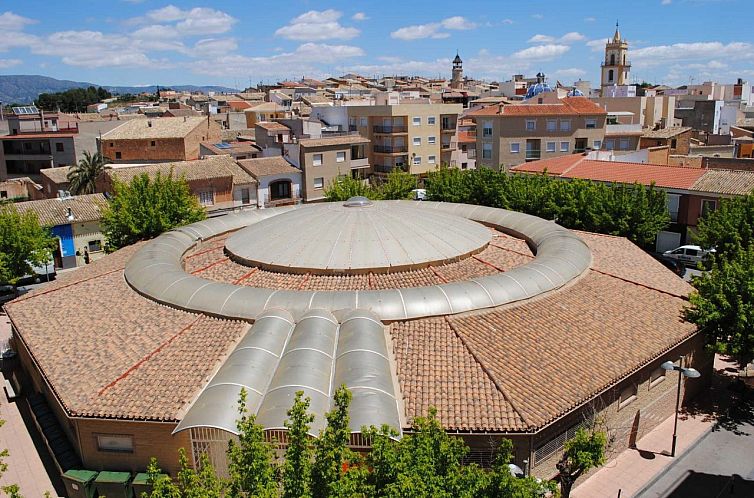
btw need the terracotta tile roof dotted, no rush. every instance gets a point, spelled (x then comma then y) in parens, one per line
(671, 132)
(567, 106)
(56, 175)
(267, 166)
(139, 129)
(238, 105)
(210, 167)
(330, 141)
(466, 137)
(273, 126)
(573, 166)
(150, 362)
(719, 181)
(54, 212)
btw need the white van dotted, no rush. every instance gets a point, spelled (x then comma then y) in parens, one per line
(688, 254)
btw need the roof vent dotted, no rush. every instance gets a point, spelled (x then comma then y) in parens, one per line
(358, 201)
(70, 214)
(149, 123)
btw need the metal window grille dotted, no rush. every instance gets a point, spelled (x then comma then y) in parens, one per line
(555, 444)
(213, 443)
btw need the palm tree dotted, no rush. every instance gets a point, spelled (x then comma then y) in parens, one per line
(83, 177)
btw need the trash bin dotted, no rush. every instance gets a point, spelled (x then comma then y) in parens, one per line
(113, 484)
(140, 484)
(79, 483)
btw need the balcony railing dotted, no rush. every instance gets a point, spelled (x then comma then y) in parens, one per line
(533, 154)
(623, 129)
(361, 162)
(268, 201)
(390, 129)
(390, 149)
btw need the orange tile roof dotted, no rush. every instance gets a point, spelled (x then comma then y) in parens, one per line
(466, 137)
(238, 105)
(575, 166)
(567, 106)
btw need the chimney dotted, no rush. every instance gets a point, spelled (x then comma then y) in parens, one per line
(149, 123)
(184, 119)
(70, 214)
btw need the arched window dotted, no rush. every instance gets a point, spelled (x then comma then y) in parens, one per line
(610, 75)
(612, 59)
(624, 59)
(280, 189)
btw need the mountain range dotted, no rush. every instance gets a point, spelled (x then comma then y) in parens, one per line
(23, 89)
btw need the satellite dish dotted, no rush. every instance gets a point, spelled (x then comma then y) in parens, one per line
(516, 471)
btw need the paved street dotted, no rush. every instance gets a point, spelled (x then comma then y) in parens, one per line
(721, 464)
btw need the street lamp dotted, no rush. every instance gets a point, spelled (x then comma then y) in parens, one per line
(691, 373)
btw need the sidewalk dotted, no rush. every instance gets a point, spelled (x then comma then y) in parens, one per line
(633, 469)
(25, 466)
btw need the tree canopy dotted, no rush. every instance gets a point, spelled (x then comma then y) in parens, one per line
(398, 184)
(72, 100)
(23, 243)
(83, 176)
(583, 452)
(145, 208)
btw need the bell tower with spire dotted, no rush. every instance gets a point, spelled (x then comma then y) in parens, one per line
(616, 66)
(456, 81)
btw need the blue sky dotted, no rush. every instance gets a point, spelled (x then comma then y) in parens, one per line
(139, 42)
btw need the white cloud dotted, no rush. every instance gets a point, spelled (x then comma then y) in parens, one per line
(212, 47)
(541, 52)
(15, 40)
(537, 16)
(13, 22)
(507, 21)
(571, 72)
(666, 2)
(168, 13)
(317, 25)
(571, 37)
(696, 51)
(191, 22)
(92, 49)
(433, 29)
(7, 63)
(596, 45)
(590, 19)
(359, 16)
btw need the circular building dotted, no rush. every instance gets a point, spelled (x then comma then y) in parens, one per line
(510, 325)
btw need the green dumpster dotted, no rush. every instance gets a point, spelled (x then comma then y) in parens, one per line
(113, 484)
(79, 483)
(140, 484)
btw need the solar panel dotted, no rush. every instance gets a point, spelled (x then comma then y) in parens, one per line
(25, 110)
(223, 146)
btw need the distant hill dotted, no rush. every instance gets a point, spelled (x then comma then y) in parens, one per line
(23, 89)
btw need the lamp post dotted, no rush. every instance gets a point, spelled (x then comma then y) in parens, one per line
(691, 373)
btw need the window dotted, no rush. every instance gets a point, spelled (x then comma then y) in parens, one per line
(464, 165)
(115, 443)
(430, 120)
(552, 125)
(612, 61)
(317, 160)
(551, 146)
(95, 245)
(591, 123)
(487, 151)
(280, 189)
(59, 147)
(245, 197)
(340, 157)
(363, 122)
(597, 144)
(319, 182)
(657, 376)
(431, 140)
(609, 144)
(708, 206)
(206, 198)
(3, 194)
(417, 160)
(627, 396)
(565, 125)
(417, 140)
(112, 144)
(564, 146)
(624, 144)
(673, 143)
(531, 125)
(117, 155)
(610, 75)
(487, 129)
(431, 159)
(152, 143)
(416, 120)
(515, 147)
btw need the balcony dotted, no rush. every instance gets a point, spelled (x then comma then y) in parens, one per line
(623, 129)
(361, 162)
(533, 154)
(267, 201)
(447, 146)
(386, 130)
(390, 149)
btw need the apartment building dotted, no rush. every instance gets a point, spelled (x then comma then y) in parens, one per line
(159, 140)
(37, 140)
(540, 128)
(323, 160)
(413, 137)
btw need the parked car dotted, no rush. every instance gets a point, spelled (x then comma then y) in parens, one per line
(688, 254)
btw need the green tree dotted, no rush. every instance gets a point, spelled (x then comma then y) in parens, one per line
(502, 483)
(345, 187)
(583, 452)
(335, 471)
(397, 185)
(446, 184)
(730, 228)
(83, 177)
(162, 485)
(298, 454)
(145, 208)
(250, 460)
(23, 243)
(722, 306)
